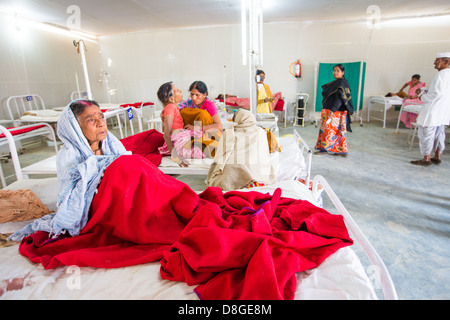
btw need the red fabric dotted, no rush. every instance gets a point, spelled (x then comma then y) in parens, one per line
(146, 144)
(280, 105)
(229, 103)
(250, 245)
(136, 216)
(20, 131)
(237, 245)
(137, 104)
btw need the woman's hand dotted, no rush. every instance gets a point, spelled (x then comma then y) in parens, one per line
(175, 158)
(193, 127)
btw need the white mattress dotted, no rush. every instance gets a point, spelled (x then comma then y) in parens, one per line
(341, 276)
(46, 115)
(390, 100)
(290, 162)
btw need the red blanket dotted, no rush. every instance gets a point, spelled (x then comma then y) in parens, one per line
(238, 245)
(250, 245)
(146, 144)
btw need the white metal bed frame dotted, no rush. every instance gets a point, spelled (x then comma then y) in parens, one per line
(10, 140)
(139, 112)
(386, 282)
(384, 277)
(23, 103)
(30, 102)
(387, 104)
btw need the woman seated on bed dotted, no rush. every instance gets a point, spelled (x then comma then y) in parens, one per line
(88, 149)
(199, 108)
(175, 136)
(413, 97)
(414, 89)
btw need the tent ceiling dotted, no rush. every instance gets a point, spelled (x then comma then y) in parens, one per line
(107, 17)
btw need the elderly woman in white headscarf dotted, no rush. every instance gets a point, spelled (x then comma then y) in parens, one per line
(87, 151)
(242, 156)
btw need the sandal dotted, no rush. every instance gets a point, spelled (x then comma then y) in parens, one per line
(421, 163)
(436, 161)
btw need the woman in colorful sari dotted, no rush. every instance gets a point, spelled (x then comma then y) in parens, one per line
(413, 97)
(337, 105)
(200, 109)
(175, 136)
(200, 113)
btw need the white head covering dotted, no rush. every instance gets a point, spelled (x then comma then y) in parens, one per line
(443, 55)
(79, 173)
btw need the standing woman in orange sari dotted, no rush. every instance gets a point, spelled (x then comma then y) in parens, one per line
(336, 107)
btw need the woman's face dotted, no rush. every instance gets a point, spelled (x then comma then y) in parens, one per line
(262, 77)
(414, 82)
(93, 124)
(177, 94)
(197, 97)
(338, 73)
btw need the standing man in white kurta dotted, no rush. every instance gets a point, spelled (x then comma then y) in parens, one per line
(435, 113)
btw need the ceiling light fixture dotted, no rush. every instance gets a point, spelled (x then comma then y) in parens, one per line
(49, 27)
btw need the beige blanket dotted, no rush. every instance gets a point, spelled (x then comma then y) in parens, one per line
(20, 205)
(242, 156)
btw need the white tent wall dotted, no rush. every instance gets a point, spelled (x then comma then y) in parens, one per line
(34, 61)
(136, 64)
(142, 61)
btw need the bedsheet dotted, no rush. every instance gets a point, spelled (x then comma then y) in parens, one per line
(387, 102)
(290, 162)
(340, 276)
(281, 236)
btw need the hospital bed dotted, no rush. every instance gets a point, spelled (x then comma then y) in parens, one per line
(31, 109)
(341, 276)
(140, 111)
(292, 162)
(386, 102)
(12, 135)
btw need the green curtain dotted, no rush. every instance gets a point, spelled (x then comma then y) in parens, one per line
(352, 73)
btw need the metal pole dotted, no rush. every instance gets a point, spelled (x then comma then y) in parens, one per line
(82, 49)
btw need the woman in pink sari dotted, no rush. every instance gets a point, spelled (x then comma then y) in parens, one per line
(413, 97)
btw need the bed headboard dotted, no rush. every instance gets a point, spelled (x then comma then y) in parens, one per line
(17, 105)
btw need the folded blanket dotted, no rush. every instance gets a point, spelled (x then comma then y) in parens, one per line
(20, 205)
(145, 144)
(237, 245)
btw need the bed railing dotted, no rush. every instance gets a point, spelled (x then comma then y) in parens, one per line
(23, 103)
(385, 279)
(308, 158)
(10, 140)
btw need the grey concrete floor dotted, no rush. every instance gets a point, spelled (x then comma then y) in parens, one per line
(404, 210)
